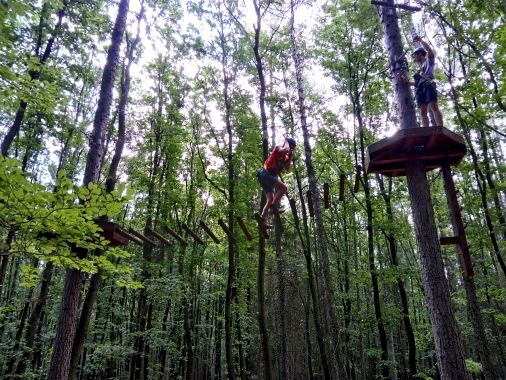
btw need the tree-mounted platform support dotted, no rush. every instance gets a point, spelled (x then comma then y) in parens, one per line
(457, 222)
(435, 147)
(261, 228)
(432, 146)
(116, 235)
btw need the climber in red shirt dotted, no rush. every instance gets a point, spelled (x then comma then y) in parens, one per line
(279, 159)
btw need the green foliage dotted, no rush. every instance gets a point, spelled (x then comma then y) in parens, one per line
(473, 367)
(56, 224)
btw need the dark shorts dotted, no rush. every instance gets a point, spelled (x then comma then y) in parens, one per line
(267, 180)
(426, 94)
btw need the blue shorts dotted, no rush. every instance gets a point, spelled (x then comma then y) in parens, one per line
(426, 94)
(267, 180)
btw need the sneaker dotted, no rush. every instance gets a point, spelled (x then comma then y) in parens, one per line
(278, 208)
(264, 223)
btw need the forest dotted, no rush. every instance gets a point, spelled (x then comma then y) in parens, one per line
(132, 132)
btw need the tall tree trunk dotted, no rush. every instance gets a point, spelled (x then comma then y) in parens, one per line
(67, 319)
(112, 177)
(306, 249)
(230, 211)
(262, 323)
(449, 350)
(31, 333)
(280, 267)
(329, 299)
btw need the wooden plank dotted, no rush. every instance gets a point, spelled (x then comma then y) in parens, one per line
(432, 141)
(158, 236)
(261, 228)
(209, 232)
(141, 236)
(406, 7)
(193, 234)
(342, 180)
(419, 156)
(447, 137)
(225, 228)
(176, 236)
(244, 228)
(326, 195)
(113, 233)
(356, 186)
(449, 240)
(131, 237)
(310, 203)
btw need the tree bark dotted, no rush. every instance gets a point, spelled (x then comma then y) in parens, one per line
(306, 249)
(262, 323)
(31, 333)
(112, 177)
(67, 319)
(339, 371)
(449, 350)
(229, 353)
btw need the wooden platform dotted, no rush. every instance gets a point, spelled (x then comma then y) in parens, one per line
(116, 235)
(433, 146)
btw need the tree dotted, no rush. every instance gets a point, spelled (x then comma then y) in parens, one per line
(446, 336)
(67, 321)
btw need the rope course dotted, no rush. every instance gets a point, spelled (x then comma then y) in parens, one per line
(118, 236)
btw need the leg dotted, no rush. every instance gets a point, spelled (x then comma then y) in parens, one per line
(281, 190)
(269, 197)
(438, 115)
(424, 114)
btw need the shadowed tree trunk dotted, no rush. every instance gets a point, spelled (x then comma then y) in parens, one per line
(229, 346)
(67, 319)
(306, 249)
(112, 177)
(339, 371)
(262, 322)
(449, 350)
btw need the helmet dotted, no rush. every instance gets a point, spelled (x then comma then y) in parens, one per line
(419, 50)
(291, 141)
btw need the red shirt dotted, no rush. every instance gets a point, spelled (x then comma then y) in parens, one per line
(276, 161)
